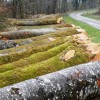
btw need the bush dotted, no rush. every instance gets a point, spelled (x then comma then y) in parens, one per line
(3, 25)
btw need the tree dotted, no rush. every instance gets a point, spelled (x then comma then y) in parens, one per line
(99, 7)
(75, 4)
(18, 8)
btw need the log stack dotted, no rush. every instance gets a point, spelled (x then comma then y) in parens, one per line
(31, 51)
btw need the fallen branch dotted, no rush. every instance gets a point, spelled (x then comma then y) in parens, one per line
(76, 83)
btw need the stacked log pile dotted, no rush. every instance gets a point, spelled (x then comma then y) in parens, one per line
(31, 51)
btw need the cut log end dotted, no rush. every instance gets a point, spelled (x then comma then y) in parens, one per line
(68, 55)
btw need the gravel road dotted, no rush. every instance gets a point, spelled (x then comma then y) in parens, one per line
(92, 22)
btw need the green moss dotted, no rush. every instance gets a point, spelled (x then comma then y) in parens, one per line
(17, 53)
(34, 58)
(43, 38)
(43, 26)
(29, 49)
(44, 67)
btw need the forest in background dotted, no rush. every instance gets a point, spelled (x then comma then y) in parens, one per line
(23, 8)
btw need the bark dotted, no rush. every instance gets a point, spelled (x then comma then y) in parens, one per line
(36, 23)
(76, 83)
(45, 20)
(25, 33)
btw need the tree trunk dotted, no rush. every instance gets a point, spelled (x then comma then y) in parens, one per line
(76, 83)
(25, 33)
(45, 20)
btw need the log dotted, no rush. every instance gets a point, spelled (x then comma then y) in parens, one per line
(20, 34)
(41, 56)
(79, 82)
(45, 20)
(14, 54)
(36, 23)
(46, 26)
(38, 44)
(5, 43)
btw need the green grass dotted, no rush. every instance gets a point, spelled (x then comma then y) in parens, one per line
(93, 33)
(92, 15)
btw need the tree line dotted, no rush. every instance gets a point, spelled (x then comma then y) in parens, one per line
(22, 8)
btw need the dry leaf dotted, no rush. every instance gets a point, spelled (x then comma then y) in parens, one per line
(68, 55)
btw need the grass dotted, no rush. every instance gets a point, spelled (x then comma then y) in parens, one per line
(92, 15)
(47, 66)
(93, 33)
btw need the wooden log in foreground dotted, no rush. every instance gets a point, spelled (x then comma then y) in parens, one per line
(80, 82)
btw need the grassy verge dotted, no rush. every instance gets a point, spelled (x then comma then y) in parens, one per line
(93, 33)
(92, 15)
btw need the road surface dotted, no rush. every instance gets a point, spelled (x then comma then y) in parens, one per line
(92, 22)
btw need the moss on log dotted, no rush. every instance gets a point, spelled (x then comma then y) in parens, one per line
(34, 58)
(17, 53)
(50, 65)
(5, 44)
(79, 82)
(46, 20)
(45, 26)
